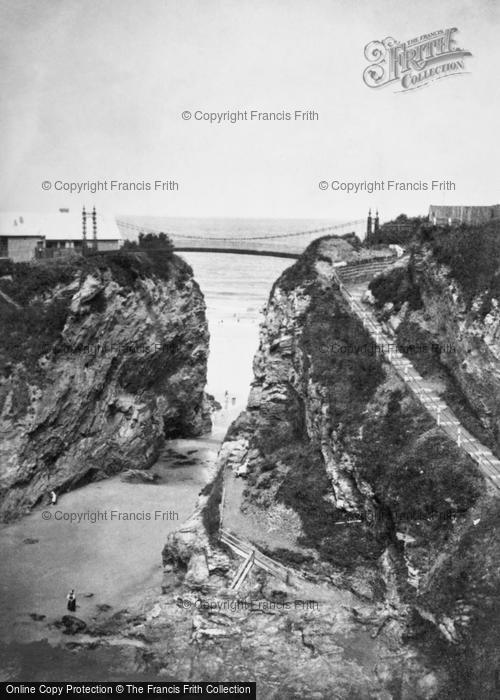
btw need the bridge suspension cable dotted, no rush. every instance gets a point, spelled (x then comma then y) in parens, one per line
(146, 229)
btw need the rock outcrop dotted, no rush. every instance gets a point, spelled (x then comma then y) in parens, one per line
(104, 359)
(337, 469)
(447, 335)
(332, 434)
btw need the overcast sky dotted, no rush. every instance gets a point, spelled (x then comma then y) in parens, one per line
(94, 90)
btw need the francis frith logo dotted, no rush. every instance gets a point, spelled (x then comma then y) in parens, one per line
(414, 63)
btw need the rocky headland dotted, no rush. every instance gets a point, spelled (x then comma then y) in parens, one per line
(336, 470)
(101, 359)
(386, 528)
(443, 307)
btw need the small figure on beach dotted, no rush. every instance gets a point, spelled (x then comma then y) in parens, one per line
(53, 498)
(71, 598)
(226, 398)
(233, 400)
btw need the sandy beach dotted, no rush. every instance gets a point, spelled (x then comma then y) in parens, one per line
(113, 561)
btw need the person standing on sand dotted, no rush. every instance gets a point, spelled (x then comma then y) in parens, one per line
(71, 598)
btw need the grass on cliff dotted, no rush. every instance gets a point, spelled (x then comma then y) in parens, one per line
(410, 466)
(410, 337)
(305, 488)
(340, 359)
(395, 287)
(350, 380)
(32, 330)
(153, 255)
(467, 583)
(303, 271)
(472, 254)
(421, 347)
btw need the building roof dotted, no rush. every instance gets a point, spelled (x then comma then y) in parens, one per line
(62, 225)
(466, 213)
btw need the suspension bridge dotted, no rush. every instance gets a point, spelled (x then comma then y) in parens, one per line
(281, 245)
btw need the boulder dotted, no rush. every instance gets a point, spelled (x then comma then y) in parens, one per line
(139, 476)
(69, 624)
(197, 573)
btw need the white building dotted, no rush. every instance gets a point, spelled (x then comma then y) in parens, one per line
(26, 235)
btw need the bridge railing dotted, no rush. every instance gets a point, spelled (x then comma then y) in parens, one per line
(294, 241)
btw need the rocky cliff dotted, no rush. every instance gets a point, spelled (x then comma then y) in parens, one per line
(335, 468)
(101, 359)
(451, 332)
(388, 531)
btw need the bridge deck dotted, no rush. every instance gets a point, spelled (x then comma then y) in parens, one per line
(238, 251)
(281, 245)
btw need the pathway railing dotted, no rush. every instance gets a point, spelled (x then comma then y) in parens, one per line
(250, 553)
(438, 409)
(352, 272)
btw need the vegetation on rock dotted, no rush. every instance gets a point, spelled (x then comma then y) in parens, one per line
(40, 289)
(472, 254)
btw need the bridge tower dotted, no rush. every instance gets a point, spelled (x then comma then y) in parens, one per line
(84, 230)
(94, 229)
(369, 227)
(92, 214)
(376, 228)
